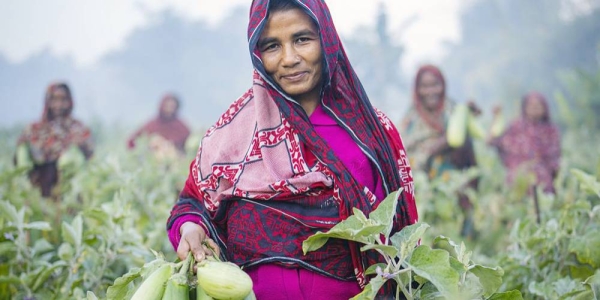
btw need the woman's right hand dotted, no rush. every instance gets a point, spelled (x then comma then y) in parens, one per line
(193, 239)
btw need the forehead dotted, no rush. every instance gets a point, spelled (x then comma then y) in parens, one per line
(288, 21)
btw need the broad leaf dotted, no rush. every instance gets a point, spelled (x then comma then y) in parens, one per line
(587, 248)
(44, 226)
(371, 289)
(588, 182)
(350, 229)
(512, 295)
(373, 269)
(406, 240)
(9, 211)
(388, 250)
(120, 287)
(490, 278)
(385, 211)
(434, 265)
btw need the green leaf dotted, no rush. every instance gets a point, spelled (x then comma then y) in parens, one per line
(372, 269)
(7, 247)
(91, 296)
(434, 265)
(78, 227)
(385, 211)
(10, 280)
(587, 248)
(594, 283)
(406, 240)
(65, 251)
(43, 226)
(68, 234)
(351, 229)
(43, 277)
(360, 215)
(442, 242)
(430, 292)
(371, 289)
(512, 295)
(388, 250)
(458, 266)
(121, 286)
(542, 289)
(588, 182)
(489, 278)
(9, 211)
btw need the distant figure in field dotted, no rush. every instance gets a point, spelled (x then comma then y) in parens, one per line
(45, 141)
(530, 144)
(167, 133)
(424, 128)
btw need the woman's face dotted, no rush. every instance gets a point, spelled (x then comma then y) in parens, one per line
(430, 89)
(534, 109)
(291, 53)
(59, 103)
(169, 108)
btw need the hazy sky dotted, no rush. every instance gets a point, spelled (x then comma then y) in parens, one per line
(86, 30)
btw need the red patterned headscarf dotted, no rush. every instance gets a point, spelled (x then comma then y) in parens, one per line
(432, 118)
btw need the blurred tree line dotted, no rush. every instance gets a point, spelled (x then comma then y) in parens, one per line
(509, 47)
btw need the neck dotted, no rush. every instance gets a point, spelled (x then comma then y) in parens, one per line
(310, 102)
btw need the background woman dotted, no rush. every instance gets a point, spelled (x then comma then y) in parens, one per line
(424, 133)
(52, 136)
(531, 144)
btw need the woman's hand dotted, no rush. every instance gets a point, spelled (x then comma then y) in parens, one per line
(193, 239)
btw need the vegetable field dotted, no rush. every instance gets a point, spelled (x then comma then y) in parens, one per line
(110, 221)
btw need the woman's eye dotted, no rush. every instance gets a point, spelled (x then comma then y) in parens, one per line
(269, 47)
(302, 40)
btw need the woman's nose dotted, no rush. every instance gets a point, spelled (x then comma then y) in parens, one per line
(290, 56)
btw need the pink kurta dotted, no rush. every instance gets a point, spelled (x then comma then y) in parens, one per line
(273, 281)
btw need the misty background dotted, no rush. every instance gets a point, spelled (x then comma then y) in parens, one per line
(504, 49)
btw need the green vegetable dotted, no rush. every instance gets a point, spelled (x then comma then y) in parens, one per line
(497, 126)
(223, 280)
(457, 126)
(153, 287)
(177, 286)
(474, 128)
(71, 157)
(24, 157)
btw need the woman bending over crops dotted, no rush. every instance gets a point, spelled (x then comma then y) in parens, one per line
(424, 130)
(291, 157)
(167, 132)
(530, 144)
(45, 141)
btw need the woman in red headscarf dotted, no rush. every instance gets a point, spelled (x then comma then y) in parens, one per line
(424, 133)
(52, 136)
(166, 130)
(531, 144)
(293, 156)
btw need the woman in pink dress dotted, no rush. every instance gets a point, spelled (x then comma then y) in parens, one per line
(291, 157)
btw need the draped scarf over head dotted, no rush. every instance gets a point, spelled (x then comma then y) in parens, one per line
(536, 144)
(171, 128)
(48, 138)
(435, 118)
(265, 151)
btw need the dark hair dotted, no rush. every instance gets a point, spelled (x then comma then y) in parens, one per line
(282, 5)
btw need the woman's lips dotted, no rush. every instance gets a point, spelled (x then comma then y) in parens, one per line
(295, 77)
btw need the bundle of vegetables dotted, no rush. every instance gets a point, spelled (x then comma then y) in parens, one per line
(214, 279)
